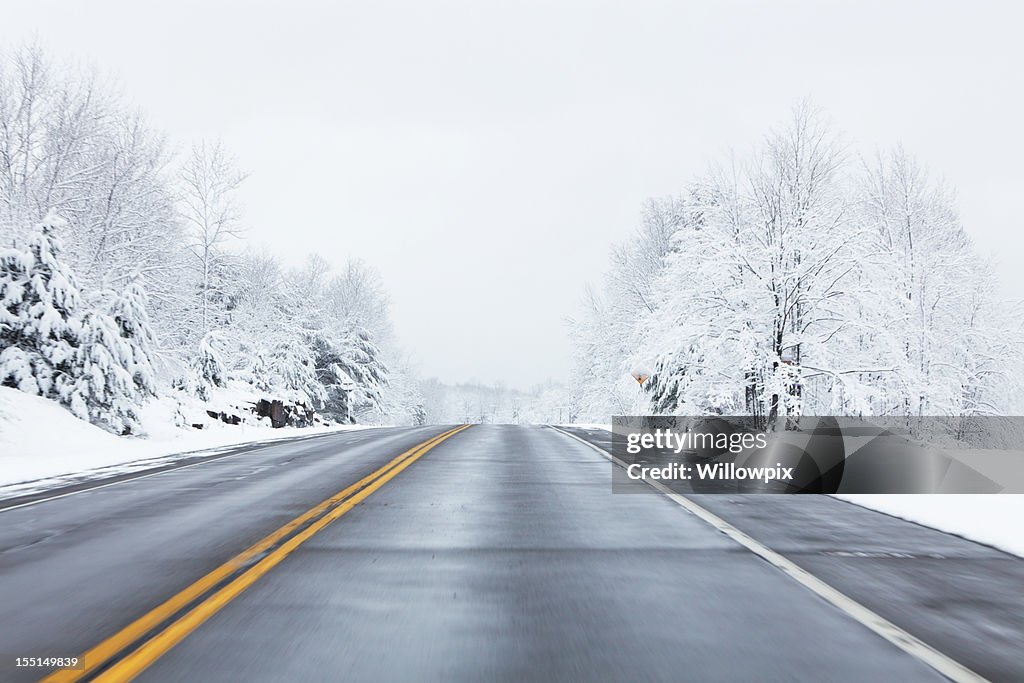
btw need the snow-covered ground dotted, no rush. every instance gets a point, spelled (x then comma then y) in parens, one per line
(991, 519)
(39, 439)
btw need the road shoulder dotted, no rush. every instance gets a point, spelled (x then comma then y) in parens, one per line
(961, 597)
(21, 494)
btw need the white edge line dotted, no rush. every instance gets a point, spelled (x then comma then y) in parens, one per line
(894, 634)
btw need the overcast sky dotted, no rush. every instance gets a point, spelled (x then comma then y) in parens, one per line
(485, 157)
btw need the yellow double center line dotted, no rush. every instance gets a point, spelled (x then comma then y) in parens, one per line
(136, 661)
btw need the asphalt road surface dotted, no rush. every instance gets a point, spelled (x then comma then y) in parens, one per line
(489, 553)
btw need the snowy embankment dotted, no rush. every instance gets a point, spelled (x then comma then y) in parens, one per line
(41, 440)
(992, 519)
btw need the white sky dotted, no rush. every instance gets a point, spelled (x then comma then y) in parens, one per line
(485, 156)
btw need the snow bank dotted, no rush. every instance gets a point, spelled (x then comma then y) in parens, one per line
(40, 439)
(990, 519)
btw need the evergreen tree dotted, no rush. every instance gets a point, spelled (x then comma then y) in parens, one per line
(258, 373)
(129, 311)
(40, 320)
(104, 390)
(294, 371)
(208, 365)
(362, 361)
(113, 366)
(353, 373)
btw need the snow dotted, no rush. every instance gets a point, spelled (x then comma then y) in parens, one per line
(41, 442)
(990, 519)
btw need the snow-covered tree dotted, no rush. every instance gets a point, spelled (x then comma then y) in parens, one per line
(609, 333)
(104, 390)
(402, 400)
(69, 146)
(798, 283)
(350, 368)
(114, 363)
(257, 371)
(129, 311)
(40, 316)
(945, 340)
(210, 209)
(208, 365)
(749, 300)
(356, 298)
(163, 232)
(293, 371)
(547, 403)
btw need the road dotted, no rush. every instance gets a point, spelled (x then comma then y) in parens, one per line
(494, 553)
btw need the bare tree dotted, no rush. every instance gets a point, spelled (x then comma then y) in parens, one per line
(210, 209)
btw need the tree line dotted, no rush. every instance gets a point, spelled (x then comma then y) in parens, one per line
(125, 274)
(801, 280)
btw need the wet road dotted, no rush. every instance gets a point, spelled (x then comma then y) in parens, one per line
(498, 553)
